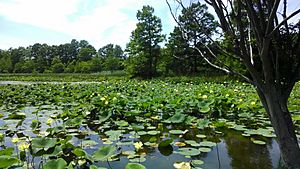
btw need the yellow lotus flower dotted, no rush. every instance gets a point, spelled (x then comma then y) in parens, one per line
(23, 146)
(102, 98)
(204, 97)
(106, 102)
(138, 145)
(15, 140)
(182, 165)
(252, 103)
(49, 121)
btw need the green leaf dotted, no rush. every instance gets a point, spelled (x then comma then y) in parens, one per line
(7, 161)
(165, 143)
(208, 144)
(205, 109)
(197, 162)
(9, 151)
(104, 116)
(259, 142)
(104, 153)
(176, 132)
(204, 149)
(95, 167)
(188, 151)
(177, 118)
(44, 143)
(134, 166)
(57, 164)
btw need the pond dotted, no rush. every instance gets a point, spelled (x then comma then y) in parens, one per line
(113, 125)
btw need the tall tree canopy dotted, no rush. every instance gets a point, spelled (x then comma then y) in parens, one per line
(195, 25)
(143, 48)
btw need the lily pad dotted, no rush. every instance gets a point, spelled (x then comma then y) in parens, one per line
(57, 164)
(208, 144)
(177, 118)
(201, 136)
(259, 142)
(176, 132)
(197, 162)
(43, 143)
(188, 151)
(7, 161)
(153, 132)
(165, 143)
(134, 166)
(104, 153)
(204, 149)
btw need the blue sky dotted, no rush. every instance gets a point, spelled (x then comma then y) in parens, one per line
(25, 22)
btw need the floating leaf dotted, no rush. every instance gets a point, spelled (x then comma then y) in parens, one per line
(197, 162)
(188, 151)
(177, 118)
(204, 149)
(176, 132)
(43, 143)
(201, 136)
(208, 144)
(57, 164)
(104, 153)
(138, 160)
(95, 167)
(7, 161)
(8, 151)
(104, 116)
(259, 142)
(153, 132)
(165, 143)
(134, 166)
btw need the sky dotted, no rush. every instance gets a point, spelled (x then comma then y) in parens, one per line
(100, 22)
(55, 22)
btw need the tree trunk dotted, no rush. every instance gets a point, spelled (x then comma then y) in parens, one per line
(276, 106)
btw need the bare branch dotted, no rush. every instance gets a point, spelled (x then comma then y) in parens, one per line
(284, 16)
(272, 16)
(282, 22)
(224, 67)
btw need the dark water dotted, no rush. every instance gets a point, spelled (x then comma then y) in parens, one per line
(232, 150)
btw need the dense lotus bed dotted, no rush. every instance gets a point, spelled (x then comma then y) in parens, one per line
(136, 124)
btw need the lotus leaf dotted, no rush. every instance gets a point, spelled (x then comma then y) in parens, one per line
(57, 164)
(104, 153)
(134, 166)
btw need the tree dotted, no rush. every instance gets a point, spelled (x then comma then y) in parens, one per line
(86, 53)
(143, 48)
(196, 24)
(16, 56)
(57, 66)
(274, 69)
(113, 57)
(5, 62)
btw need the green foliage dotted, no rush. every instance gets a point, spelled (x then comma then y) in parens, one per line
(143, 48)
(197, 25)
(58, 164)
(74, 57)
(57, 66)
(104, 153)
(133, 116)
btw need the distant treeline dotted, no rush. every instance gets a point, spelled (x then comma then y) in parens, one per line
(143, 56)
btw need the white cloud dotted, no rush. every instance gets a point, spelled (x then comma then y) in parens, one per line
(88, 22)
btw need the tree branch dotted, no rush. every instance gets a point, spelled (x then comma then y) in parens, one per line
(282, 22)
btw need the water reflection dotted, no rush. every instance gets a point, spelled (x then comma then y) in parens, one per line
(246, 155)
